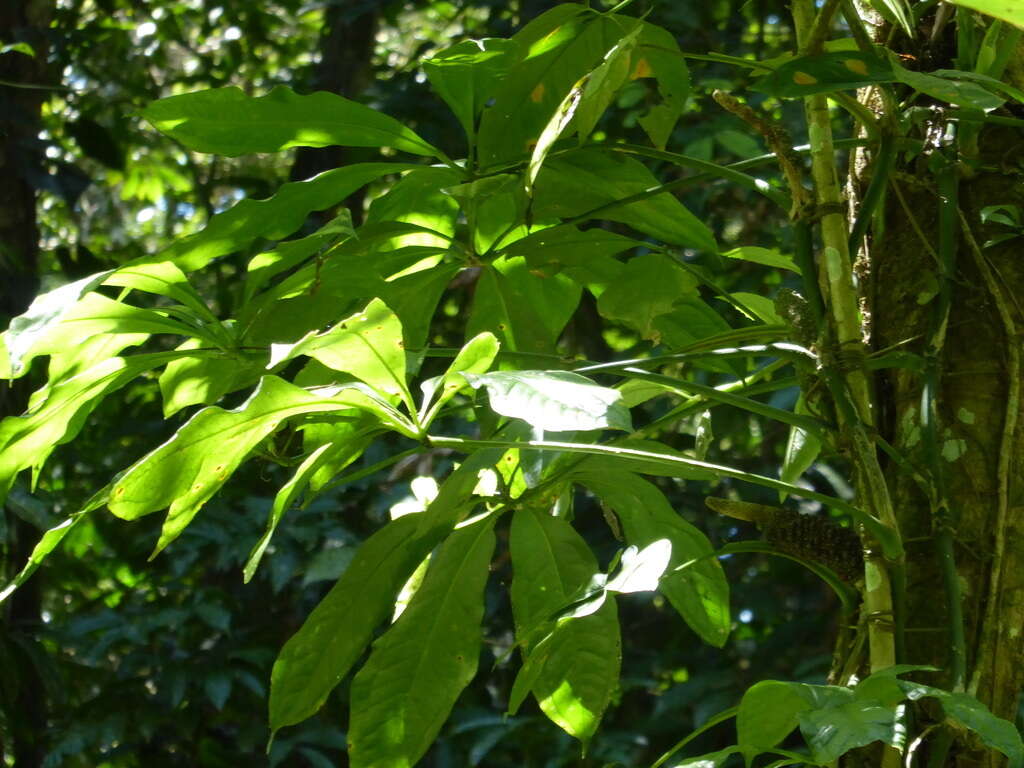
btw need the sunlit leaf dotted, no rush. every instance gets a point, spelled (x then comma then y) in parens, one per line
(368, 345)
(554, 401)
(466, 74)
(1007, 10)
(572, 667)
(417, 669)
(227, 121)
(694, 582)
(335, 634)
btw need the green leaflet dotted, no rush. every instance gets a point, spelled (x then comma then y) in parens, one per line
(802, 449)
(475, 357)
(572, 667)
(336, 455)
(51, 539)
(567, 248)
(845, 70)
(308, 667)
(187, 470)
(496, 207)
(601, 84)
(834, 720)
(526, 312)
(466, 74)
(695, 583)
(1007, 10)
(203, 379)
(554, 51)
(656, 277)
(26, 441)
(226, 121)
(273, 218)
(825, 73)
(30, 328)
(770, 257)
(590, 94)
(418, 199)
(289, 254)
(554, 401)
(591, 182)
(418, 668)
(367, 345)
(334, 635)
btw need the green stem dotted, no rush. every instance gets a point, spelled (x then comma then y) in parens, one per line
(892, 546)
(852, 388)
(945, 518)
(721, 717)
(723, 171)
(873, 195)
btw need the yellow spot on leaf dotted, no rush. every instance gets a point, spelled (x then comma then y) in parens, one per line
(642, 69)
(538, 93)
(802, 78)
(856, 66)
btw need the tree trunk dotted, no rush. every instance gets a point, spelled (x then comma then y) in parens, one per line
(980, 438)
(20, 154)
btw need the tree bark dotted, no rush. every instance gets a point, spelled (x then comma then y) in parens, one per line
(20, 156)
(980, 437)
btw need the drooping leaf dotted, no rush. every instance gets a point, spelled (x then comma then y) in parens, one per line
(51, 540)
(466, 74)
(573, 666)
(26, 441)
(694, 582)
(417, 669)
(589, 181)
(525, 311)
(658, 56)
(802, 449)
(334, 635)
(187, 470)
(555, 401)
(606, 79)
(337, 454)
(227, 121)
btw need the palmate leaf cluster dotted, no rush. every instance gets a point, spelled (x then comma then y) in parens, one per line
(330, 348)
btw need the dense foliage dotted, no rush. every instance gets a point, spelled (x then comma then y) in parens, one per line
(479, 369)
